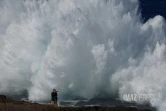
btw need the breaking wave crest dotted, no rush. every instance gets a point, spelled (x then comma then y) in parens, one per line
(81, 48)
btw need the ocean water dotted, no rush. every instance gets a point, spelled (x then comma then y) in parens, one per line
(85, 49)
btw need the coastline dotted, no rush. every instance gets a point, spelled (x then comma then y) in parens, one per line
(11, 105)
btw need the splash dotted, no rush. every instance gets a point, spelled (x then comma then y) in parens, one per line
(81, 48)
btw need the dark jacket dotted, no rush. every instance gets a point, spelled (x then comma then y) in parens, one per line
(54, 96)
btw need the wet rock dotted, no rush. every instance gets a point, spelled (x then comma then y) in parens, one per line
(3, 99)
(11, 105)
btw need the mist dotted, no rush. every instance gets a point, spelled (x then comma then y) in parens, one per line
(81, 48)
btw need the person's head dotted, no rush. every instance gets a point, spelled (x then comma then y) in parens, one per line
(54, 90)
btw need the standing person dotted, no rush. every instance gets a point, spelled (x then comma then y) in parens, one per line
(54, 97)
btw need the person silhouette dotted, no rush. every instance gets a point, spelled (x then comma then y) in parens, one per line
(54, 97)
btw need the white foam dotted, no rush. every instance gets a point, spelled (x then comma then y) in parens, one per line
(82, 48)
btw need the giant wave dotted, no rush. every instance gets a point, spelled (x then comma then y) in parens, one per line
(82, 48)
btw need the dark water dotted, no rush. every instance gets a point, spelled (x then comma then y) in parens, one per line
(110, 102)
(151, 8)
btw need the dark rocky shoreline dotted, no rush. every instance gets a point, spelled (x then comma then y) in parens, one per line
(7, 104)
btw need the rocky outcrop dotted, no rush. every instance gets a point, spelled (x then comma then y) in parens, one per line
(3, 99)
(9, 105)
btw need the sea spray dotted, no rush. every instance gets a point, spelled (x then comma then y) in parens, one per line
(81, 48)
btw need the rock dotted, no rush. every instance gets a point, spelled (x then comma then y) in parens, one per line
(3, 99)
(7, 104)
